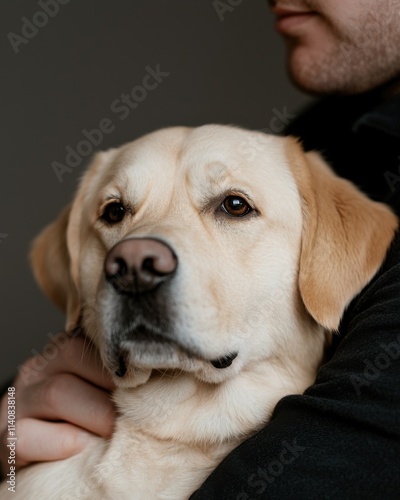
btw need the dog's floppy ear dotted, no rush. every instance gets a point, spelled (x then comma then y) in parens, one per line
(51, 266)
(345, 237)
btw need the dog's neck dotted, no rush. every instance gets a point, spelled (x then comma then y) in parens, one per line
(173, 425)
(187, 410)
(185, 427)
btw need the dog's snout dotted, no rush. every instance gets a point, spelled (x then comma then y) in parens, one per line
(137, 265)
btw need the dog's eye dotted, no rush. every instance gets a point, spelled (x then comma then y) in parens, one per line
(113, 213)
(236, 206)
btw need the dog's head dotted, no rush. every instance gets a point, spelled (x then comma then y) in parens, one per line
(208, 250)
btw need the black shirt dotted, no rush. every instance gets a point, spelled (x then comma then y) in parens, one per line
(341, 438)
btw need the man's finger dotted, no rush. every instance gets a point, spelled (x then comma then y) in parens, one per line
(45, 441)
(66, 355)
(69, 398)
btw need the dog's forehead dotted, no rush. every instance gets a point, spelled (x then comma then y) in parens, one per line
(209, 153)
(230, 154)
(184, 168)
(156, 150)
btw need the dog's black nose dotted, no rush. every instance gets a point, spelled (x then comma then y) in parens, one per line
(138, 265)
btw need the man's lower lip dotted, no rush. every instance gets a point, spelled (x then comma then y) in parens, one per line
(288, 23)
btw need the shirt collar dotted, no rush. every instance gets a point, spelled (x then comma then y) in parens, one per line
(385, 118)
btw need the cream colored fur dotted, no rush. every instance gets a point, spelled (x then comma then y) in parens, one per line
(272, 286)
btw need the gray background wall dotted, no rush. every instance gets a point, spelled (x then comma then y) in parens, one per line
(65, 79)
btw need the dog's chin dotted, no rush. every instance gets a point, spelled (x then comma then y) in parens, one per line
(133, 377)
(132, 361)
(159, 355)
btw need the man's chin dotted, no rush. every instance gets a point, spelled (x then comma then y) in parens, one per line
(304, 72)
(320, 74)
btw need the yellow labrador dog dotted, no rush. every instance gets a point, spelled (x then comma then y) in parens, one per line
(209, 266)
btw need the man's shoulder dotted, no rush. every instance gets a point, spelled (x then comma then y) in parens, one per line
(359, 137)
(321, 119)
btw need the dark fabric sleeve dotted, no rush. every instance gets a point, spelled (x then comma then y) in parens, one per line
(341, 439)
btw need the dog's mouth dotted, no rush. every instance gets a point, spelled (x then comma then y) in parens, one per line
(146, 349)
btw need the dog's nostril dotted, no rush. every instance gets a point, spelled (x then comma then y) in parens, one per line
(115, 268)
(121, 268)
(149, 266)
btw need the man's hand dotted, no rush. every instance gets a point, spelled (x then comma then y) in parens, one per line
(60, 404)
